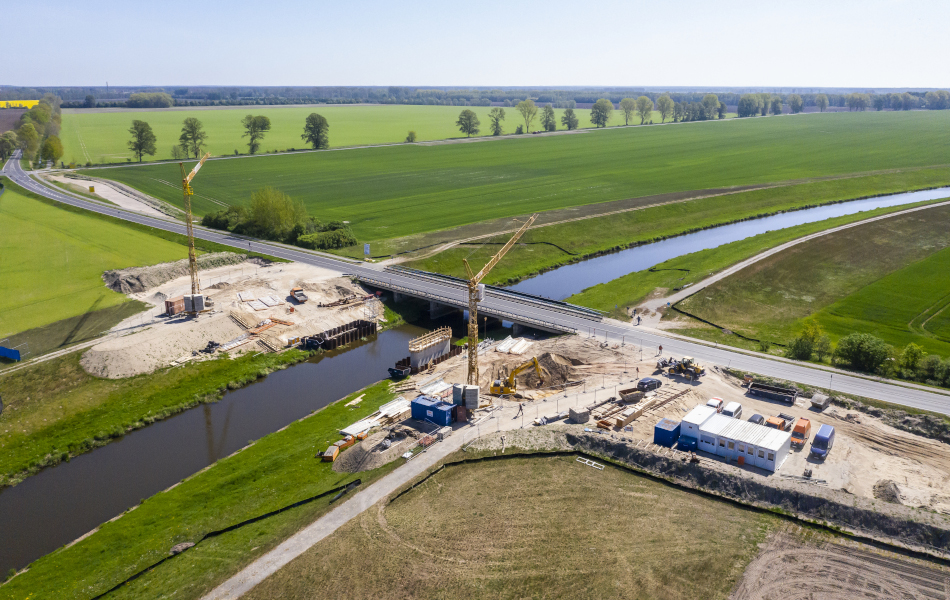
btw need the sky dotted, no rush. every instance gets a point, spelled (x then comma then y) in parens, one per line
(834, 43)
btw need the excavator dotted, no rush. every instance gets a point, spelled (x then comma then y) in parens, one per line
(501, 387)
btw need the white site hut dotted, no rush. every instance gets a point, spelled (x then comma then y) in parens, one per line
(694, 419)
(758, 445)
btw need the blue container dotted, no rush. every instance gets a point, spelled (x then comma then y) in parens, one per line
(443, 414)
(423, 408)
(666, 432)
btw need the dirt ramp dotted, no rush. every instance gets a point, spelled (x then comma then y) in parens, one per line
(139, 279)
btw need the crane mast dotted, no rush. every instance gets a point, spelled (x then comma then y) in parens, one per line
(189, 226)
(476, 292)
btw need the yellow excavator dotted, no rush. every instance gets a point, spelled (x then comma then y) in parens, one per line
(501, 387)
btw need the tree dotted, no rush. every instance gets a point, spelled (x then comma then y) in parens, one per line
(765, 100)
(748, 105)
(939, 100)
(254, 129)
(8, 143)
(776, 105)
(548, 120)
(143, 139)
(862, 351)
(90, 101)
(178, 153)
(28, 140)
(52, 149)
(908, 101)
(644, 108)
(600, 112)
(664, 104)
(273, 214)
(711, 105)
(628, 106)
(150, 100)
(411, 137)
(192, 136)
(468, 122)
(880, 102)
(495, 117)
(795, 103)
(679, 111)
(722, 110)
(823, 347)
(910, 357)
(528, 112)
(316, 131)
(800, 348)
(569, 119)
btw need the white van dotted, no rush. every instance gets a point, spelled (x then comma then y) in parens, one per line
(733, 409)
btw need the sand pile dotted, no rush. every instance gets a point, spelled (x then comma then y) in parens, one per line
(138, 279)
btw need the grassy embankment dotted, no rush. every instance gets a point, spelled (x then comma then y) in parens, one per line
(532, 527)
(277, 470)
(885, 278)
(101, 137)
(391, 192)
(555, 245)
(631, 289)
(54, 259)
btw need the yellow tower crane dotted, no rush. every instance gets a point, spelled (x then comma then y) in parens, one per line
(476, 293)
(186, 188)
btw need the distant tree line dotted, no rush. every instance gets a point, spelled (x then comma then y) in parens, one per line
(36, 132)
(867, 353)
(273, 215)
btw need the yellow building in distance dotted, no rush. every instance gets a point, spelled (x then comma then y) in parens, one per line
(18, 103)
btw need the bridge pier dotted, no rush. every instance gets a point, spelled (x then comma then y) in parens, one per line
(397, 297)
(437, 310)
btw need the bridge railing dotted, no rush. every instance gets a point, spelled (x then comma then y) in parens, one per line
(508, 316)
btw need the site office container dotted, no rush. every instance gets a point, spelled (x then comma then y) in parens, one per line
(173, 306)
(689, 426)
(666, 433)
(730, 438)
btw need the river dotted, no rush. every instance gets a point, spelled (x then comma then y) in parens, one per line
(568, 280)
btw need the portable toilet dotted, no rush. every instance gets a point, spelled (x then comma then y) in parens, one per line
(666, 433)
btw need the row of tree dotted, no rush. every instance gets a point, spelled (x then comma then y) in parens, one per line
(870, 354)
(36, 132)
(600, 114)
(193, 137)
(274, 215)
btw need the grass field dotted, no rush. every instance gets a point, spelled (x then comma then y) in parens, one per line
(101, 137)
(53, 260)
(277, 470)
(540, 527)
(554, 245)
(396, 191)
(885, 278)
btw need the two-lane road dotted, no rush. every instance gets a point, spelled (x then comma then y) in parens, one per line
(907, 394)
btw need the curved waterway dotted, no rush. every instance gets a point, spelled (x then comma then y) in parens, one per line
(571, 279)
(61, 503)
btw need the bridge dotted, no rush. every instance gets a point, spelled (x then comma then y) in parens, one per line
(533, 311)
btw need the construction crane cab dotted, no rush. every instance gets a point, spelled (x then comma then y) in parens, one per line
(501, 387)
(688, 367)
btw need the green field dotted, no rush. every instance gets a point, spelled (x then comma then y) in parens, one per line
(53, 260)
(101, 137)
(277, 470)
(886, 278)
(396, 191)
(534, 527)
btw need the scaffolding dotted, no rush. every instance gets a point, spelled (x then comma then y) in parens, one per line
(437, 336)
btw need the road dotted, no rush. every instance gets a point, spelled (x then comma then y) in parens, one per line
(906, 394)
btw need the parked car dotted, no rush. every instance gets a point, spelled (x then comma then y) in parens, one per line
(715, 403)
(757, 419)
(801, 432)
(823, 442)
(733, 409)
(648, 383)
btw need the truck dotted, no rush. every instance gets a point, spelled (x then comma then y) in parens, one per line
(781, 421)
(801, 432)
(824, 440)
(298, 295)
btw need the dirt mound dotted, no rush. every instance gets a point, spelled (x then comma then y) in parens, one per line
(557, 371)
(887, 490)
(139, 279)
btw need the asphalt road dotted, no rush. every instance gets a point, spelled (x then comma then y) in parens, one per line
(537, 312)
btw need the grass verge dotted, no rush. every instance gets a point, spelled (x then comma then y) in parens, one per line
(275, 471)
(532, 527)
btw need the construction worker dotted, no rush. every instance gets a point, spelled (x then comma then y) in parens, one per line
(638, 319)
(638, 372)
(520, 409)
(660, 352)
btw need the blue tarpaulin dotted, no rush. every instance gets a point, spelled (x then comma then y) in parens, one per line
(9, 353)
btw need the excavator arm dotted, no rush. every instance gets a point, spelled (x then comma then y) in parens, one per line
(522, 368)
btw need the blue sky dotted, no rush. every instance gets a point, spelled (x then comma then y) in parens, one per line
(873, 43)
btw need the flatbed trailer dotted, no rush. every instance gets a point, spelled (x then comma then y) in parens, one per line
(773, 392)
